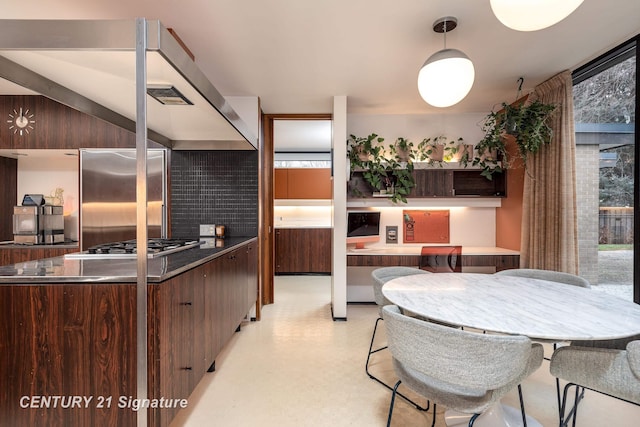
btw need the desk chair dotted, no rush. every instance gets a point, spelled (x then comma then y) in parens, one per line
(381, 276)
(612, 370)
(464, 371)
(441, 259)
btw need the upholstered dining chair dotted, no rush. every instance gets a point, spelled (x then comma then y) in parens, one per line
(381, 276)
(464, 371)
(549, 275)
(612, 369)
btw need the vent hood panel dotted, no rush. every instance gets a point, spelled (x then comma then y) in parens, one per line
(107, 77)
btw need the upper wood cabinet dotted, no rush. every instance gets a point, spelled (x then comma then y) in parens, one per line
(433, 183)
(302, 183)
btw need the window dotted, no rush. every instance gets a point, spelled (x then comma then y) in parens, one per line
(605, 104)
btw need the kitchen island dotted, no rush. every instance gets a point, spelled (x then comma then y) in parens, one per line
(68, 333)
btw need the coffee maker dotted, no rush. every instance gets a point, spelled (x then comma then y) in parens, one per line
(35, 223)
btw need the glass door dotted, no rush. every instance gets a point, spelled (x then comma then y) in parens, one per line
(605, 93)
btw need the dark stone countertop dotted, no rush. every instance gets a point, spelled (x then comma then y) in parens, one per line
(104, 270)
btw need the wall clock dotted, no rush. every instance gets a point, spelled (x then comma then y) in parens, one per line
(21, 121)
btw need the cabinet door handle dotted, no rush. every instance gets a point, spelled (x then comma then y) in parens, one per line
(186, 303)
(188, 368)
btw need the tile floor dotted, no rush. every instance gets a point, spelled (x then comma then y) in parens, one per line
(297, 367)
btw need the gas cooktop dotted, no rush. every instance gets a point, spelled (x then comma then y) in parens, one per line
(129, 249)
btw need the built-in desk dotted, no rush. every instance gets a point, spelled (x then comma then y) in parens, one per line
(361, 262)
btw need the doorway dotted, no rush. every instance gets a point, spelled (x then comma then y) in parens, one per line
(289, 139)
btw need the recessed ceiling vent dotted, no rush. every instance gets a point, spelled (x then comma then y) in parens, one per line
(167, 95)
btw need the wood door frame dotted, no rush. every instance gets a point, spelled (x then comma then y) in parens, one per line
(267, 247)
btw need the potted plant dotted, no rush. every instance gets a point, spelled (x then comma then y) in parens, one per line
(384, 174)
(363, 149)
(431, 151)
(459, 151)
(402, 149)
(527, 123)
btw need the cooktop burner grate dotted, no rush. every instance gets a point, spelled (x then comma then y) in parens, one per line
(128, 248)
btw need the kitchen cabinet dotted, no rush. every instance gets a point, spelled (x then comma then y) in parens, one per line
(8, 195)
(252, 274)
(13, 254)
(303, 250)
(498, 261)
(81, 339)
(302, 183)
(432, 183)
(458, 183)
(196, 314)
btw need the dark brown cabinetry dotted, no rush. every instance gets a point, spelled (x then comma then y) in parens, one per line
(195, 315)
(443, 183)
(303, 250)
(432, 183)
(500, 262)
(52, 129)
(471, 183)
(14, 255)
(252, 274)
(80, 340)
(8, 195)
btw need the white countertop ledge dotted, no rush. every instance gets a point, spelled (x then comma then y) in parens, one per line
(415, 250)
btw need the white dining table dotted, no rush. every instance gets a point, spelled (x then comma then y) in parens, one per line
(539, 309)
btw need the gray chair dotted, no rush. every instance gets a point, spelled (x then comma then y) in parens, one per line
(609, 367)
(551, 276)
(381, 276)
(464, 371)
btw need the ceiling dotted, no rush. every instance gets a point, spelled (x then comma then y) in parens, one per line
(296, 55)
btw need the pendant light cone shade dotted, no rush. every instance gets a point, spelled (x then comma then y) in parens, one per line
(446, 78)
(532, 15)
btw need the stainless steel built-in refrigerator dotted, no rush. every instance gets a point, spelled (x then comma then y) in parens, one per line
(108, 195)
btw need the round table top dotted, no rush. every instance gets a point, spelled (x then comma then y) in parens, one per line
(538, 309)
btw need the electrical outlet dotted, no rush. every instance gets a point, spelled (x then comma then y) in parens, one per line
(207, 230)
(392, 234)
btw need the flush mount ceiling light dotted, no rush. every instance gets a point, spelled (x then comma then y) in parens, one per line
(446, 76)
(532, 15)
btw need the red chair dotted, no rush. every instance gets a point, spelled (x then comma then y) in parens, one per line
(441, 259)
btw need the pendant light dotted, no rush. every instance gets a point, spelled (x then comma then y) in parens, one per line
(446, 76)
(532, 15)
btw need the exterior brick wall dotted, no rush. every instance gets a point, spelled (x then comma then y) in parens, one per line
(587, 174)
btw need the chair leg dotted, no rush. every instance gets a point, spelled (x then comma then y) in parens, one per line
(433, 421)
(579, 395)
(393, 399)
(524, 414)
(371, 351)
(373, 377)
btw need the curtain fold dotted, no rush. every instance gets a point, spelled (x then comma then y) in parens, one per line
(549, 213)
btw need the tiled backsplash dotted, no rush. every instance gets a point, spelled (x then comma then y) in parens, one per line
(214, 187)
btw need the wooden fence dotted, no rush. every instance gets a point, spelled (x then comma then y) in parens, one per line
(616, 225)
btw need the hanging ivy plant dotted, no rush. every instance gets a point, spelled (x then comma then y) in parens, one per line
(528, 124)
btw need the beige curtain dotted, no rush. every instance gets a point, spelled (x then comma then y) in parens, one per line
(549, 217)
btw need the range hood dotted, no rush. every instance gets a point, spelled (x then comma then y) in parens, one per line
(90, 65)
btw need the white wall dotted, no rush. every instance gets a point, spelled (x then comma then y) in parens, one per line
(417, 127)
(43, 174)
(468, 226)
